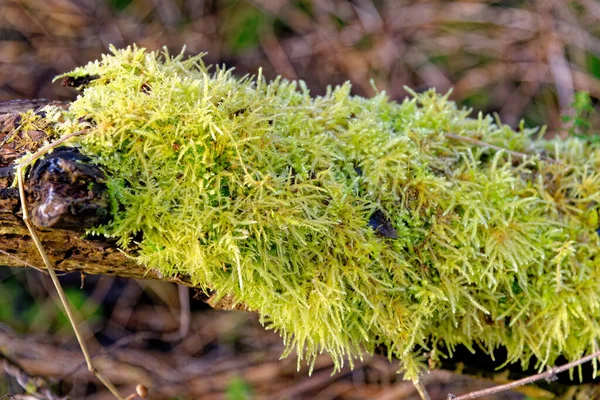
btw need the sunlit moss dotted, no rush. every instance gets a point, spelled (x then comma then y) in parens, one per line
(259, 191)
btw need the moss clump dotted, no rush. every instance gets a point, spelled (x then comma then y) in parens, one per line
(259, 191)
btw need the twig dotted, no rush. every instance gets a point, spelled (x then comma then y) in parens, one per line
(421, 389)
(7, 254)
(549, 375)
(63, 298)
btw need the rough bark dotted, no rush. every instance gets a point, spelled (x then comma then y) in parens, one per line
(67, 248)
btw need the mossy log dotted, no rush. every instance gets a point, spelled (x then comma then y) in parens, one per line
(72, 251)
(348, 224)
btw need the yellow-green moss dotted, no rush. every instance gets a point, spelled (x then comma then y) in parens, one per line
(260, 191)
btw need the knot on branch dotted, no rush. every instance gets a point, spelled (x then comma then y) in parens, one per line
(552, 374)
(68, 191)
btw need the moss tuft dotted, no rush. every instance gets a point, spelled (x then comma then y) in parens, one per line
(261, 192)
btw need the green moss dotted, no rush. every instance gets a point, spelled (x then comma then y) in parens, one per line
(261, 192)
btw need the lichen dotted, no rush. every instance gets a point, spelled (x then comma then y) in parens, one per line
(265, 194)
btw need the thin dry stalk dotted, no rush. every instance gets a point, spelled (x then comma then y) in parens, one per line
(549, 375)
(421, 390)
(63, 298)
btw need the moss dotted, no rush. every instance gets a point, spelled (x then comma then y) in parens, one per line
(263, 193)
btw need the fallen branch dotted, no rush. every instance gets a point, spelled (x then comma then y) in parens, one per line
(550, 376)
(74, 206)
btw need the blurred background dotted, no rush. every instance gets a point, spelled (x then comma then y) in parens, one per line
(523, 60)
